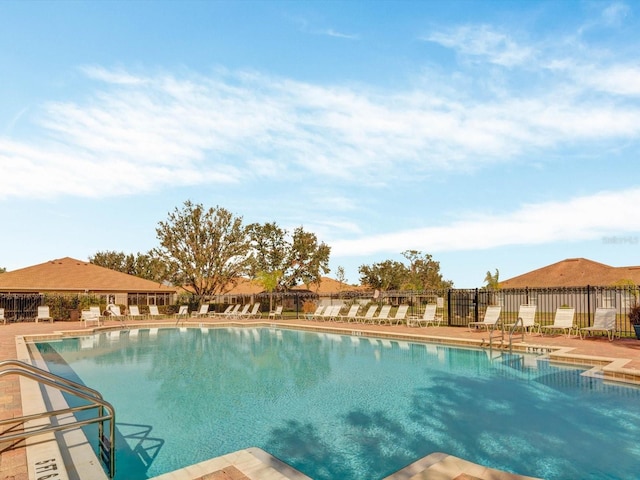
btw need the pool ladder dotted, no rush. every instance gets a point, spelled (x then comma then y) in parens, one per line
(502, 332)
(106, 412)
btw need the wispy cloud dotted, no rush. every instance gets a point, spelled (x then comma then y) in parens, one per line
(157, 130)
(484, 42)
(581, 218)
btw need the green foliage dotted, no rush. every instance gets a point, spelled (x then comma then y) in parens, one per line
(422, 273)
(207, 249)
(493, 281)
(298, 257)
(143, 265)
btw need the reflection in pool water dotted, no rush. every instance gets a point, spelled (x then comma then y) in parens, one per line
(338, 407)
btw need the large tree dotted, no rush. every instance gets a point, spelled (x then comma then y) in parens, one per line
(143, 265)
(422, 273)
(298, 257)
(206, 249)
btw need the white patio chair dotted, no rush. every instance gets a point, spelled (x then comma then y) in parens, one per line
(604, 321)
(491, 318)
(563, 321)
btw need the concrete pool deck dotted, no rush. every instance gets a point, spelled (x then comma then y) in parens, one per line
(617, 361)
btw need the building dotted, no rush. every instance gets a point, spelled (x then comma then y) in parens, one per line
(574, 272)
(68, 276)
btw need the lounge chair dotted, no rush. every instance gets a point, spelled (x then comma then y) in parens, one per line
(316, 314)
(134, 313)
(228, 312)
(527, 315)
(277, 313)
(114, 311)
(91, 315)
(255, 311)
(2, 317)
(183, 311)
(154, 312)
(368, 316)
(428, 316)
(351, 314)
(491, 318)
(330, 313)
(383, 315)
(243, 312)
(604, 321)
(563, 321)
(400, 315)
(43, 314)
(203, 312)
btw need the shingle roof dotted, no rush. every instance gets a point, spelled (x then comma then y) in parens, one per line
(573, 272)
(69, 274)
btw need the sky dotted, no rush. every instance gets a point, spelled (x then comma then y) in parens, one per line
(488, 134)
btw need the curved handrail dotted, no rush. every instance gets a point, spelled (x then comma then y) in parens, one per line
(86, 393)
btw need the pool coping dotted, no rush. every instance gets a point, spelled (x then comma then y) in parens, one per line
(255, 460)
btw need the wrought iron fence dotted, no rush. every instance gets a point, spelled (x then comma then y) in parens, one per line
(458, 306)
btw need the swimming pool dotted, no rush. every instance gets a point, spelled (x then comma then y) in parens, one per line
(341, 407)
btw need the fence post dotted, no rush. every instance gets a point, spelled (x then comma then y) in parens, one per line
(449, 307)
(588, 305)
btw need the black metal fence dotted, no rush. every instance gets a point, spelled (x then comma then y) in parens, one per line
(458, 306)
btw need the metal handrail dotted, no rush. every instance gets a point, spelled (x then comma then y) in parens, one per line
(73, 388)
(513, 329)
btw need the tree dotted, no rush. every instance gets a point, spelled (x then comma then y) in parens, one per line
(386, 275)
(207, 249)
(298, 256)
(3, 269)
(340, 276)
(423, 273)
(142, 265)
(269, 281)
(492, 281)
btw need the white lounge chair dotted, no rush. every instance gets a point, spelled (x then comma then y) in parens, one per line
(563, 321)
(316, 314)
(351, 314)
(183, 311)
(369, 315)
(277, 313)
(43, 314)
(2, 317)
(491, 318)
(134, 313)
(154, 312)
(255, 311)
(604, 320)
(91, 315)
(226, 311)
(114, 311)
(330, 313)
(383, 316)
(203, 312)
(229, 313)
(400, 315)
(429, 317)
(527, 315)
(243, 312)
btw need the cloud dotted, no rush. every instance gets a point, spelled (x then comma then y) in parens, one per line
(581, 218)
(143, 132)
(614, 14)
(484, 42)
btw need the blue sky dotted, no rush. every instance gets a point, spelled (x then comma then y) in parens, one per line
(491, 135)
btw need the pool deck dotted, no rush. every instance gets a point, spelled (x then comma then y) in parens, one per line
(617, 361)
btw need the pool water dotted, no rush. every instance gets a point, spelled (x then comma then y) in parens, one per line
(341, 407)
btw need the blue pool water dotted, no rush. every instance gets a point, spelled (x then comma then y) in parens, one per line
(340, 407)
